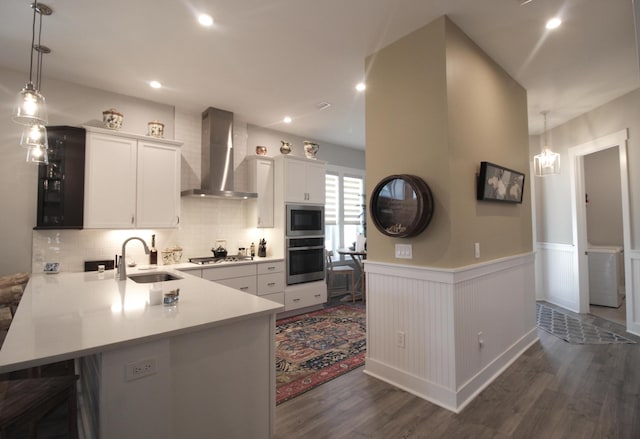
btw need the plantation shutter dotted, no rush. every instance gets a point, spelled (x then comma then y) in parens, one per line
(353, 199)
(331, 200)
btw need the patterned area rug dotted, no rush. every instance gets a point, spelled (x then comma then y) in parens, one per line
(314, 348)
(573, 330)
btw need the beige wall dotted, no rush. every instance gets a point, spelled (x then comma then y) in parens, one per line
(436, 106)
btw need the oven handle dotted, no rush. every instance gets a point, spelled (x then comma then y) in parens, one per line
(318, 247)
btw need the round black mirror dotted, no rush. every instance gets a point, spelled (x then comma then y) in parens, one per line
(401, 205)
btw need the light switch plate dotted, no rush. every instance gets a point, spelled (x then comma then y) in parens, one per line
(404, 251)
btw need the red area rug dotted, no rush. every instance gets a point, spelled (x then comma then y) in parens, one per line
(314, 348)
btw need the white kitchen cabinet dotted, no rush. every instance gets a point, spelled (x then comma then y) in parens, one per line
(271, 282)
(158, 195)
(304, 180)
(304, 295)
(261, 182)
(240, 277)
(110, 181)
(131, 181)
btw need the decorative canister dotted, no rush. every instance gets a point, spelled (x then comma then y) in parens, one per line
(261, 150)
(310, 149)
(285, 148)
(156, 129)
(112, 119)
(167, 256)
(177, 254)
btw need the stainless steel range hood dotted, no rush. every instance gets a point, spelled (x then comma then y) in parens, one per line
(217, 157)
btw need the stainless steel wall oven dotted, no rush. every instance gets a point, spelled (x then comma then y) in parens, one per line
(305, 260)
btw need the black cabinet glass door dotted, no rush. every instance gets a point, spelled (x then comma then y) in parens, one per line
(61, 182)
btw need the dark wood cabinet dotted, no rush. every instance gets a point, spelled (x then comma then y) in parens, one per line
(61, 182)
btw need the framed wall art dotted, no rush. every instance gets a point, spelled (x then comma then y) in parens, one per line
(497, 183)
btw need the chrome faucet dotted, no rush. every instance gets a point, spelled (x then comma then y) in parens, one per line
(123, 265)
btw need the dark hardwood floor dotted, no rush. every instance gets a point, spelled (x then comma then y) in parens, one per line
(555, 390)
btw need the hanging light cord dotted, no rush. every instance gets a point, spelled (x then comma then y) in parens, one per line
(39, 68)
(33, 40)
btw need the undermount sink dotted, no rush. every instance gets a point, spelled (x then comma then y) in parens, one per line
(147, 278)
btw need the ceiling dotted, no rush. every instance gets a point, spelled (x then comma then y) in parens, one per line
(264, 59)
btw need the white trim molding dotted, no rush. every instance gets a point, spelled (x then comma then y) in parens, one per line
(632, 283)
(445, 334)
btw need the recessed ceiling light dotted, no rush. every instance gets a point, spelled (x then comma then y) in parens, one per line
(361, 86)
(155, 84)
(287, 119)
(205, 19)
(553, 23)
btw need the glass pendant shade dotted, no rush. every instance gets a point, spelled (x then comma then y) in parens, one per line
(30, 108)
(34, 135)
(37, 155)
(546, 163)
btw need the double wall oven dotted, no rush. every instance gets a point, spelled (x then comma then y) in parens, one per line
(305, 243)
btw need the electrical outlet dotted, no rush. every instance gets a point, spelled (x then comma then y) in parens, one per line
(140, 369)
(400, 339)
(404, 251)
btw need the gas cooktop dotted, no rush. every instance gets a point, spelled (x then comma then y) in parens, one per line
(207, 260)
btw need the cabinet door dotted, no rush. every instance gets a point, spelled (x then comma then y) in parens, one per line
(110, 182)
(295, 186)
(61, 182)
(264, 188)
(158, 197)
(315, 183)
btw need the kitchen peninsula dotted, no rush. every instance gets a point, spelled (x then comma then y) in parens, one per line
(201, 368)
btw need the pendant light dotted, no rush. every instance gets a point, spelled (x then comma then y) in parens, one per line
(30, 107)
(547, 162)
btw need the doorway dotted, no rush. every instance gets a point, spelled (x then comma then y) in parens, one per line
(604, 234)
(579, 215)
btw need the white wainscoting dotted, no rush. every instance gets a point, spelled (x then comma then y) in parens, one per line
(462, 327)
(557, 275)
(632, 287)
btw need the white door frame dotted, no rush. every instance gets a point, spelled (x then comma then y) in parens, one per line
(579, 217)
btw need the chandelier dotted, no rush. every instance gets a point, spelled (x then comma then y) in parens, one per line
(547, 162)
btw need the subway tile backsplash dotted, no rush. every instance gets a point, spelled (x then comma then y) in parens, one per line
(203, 222)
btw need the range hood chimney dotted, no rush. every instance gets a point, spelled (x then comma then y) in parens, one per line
(217, 157)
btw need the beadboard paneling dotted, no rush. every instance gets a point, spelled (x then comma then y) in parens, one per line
(557, 280)
(440, 312)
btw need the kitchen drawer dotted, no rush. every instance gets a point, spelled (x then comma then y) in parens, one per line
(300, 296)
(270, 283)
(270, 267)
(275, 297)
(245, 284)
(227, 272)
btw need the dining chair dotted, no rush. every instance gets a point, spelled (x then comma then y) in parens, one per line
(340, 270)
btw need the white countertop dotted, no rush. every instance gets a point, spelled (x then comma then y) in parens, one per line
(67, 315)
